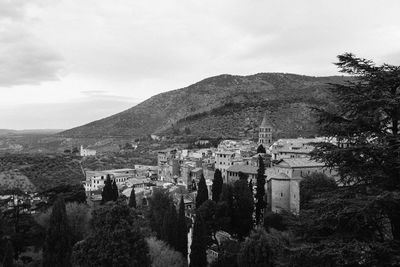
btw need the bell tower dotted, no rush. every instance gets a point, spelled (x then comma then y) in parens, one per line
(265, 133)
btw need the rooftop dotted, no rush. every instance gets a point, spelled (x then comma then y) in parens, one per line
(299, 163)
(243, 168)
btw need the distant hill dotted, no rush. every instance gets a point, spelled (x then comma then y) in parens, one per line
(221, 106)
(29, 131)
(38, 172)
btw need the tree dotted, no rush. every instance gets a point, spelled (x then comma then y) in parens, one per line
(243, 206)
(261, 149)
(8, 259)
(313, 185)
(116, 239)
(182, 232)
(261, 249)
(217, 185)
(78, 215)
(132, 198)
(224, 209)
(365, 123)
(202, 192)
(260, 194)
(114, 191)
(207, 212)
(169, 227)
(159, 204)
(69, 192)
(57, 247)
(198, 256)
(107, 193)
(162, 255)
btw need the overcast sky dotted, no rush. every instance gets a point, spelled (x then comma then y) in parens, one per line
(64, 63)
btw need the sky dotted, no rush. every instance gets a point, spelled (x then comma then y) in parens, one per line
(64, 63)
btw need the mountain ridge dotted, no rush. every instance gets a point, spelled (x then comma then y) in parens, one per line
(274, 92)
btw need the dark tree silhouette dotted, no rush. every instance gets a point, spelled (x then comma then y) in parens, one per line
(57, 247)
(202, 192)
(260, 194)
(132, 198)
(243, 206)
(217, 185)
(114, 191)
(198, 256)
(107, 193)
(182, 238)
(261, 149)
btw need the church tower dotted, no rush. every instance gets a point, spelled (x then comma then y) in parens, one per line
(265, 133)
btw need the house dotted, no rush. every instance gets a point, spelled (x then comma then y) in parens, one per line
(233, 172)
(301, 167)
(283, 193)
(86, 152)
(223, 160)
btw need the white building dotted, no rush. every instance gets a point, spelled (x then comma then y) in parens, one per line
(84, 152)
(265, 133)
(95, 179)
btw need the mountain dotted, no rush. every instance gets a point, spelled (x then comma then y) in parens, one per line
(221, 106)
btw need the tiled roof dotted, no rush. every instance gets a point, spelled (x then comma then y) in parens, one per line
(301, 163)
(243, 168)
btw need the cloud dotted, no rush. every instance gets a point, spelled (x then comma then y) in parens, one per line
(24, 58)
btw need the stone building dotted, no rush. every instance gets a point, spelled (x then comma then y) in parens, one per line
(265, 133)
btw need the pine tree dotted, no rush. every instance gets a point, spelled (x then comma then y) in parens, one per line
(202, 192)
(217, 185)
(132, 198)
(251, 186)
(182, 238)
(114, 191)
(107, 193)
(198, 256)
(57, 247)
(260, 204)
(225, 206)
(8, 260)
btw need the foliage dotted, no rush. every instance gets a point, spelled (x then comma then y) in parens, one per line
(202, 192)
(78, 216)
(227, 256)
(57, 247)
(182, 231)
(217, 185)
(107, 194)
(207, 212)
(261, 249)
(70, 193)
(44, 171)
(132, 198)
(261, 149)
(224, 210)
(162, 255)
(8, 259)
(313, 185)
(260, 204)
(159, 203)
(115, 241)
(198, 257)
(243, 205)
(169, 227)
(114, 191)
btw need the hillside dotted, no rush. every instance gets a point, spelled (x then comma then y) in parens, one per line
(225, 105)
(38, 172)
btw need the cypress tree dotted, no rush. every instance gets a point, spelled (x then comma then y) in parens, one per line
(260, 204)
(57, 246)
(8, 260)
(169, 227)
(202, 192)
(251, 186)
(182, 240)
(132, 198)
(107, 193)
(243, 206)
(198, 256)
(261, 149)
(217, 185)
(114, 191)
